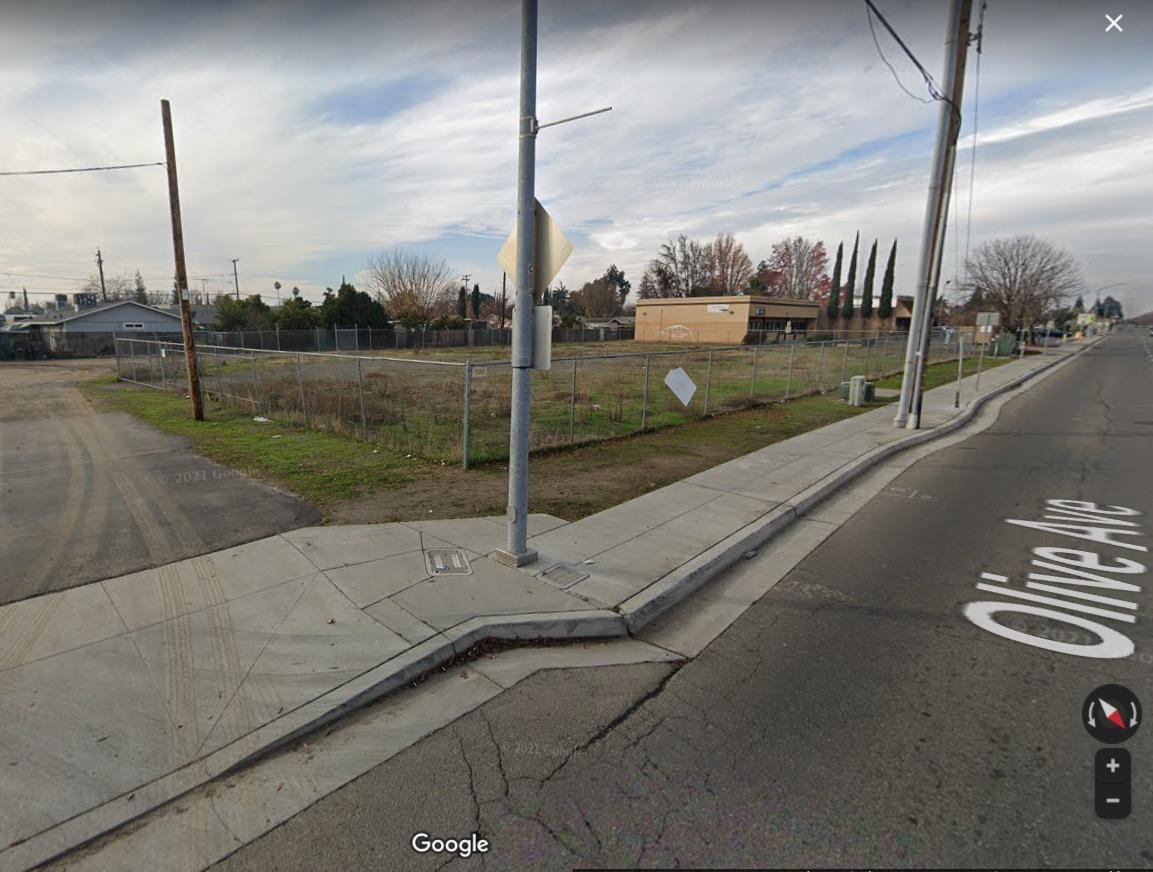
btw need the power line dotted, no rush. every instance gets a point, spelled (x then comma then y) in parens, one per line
(930, 82)
(80, 169)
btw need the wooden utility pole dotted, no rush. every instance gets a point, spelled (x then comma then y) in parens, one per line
(235, 277)
(181, 268)
(100, 266)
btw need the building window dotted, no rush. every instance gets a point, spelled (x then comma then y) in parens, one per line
(760, 310)
(133, 325)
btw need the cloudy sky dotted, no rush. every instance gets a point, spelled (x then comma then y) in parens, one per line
(312, 135)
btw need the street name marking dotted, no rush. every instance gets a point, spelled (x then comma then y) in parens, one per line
(1061, 571)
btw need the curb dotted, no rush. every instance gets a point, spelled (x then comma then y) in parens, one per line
(631, 616)
(644, 607)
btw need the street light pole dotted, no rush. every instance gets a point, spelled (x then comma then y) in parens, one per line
(517, 552)
(235, 277)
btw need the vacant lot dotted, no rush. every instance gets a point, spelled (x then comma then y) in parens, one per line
(87, 494)
(417, 404)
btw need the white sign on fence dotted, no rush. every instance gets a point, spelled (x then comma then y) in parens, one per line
(679, 383)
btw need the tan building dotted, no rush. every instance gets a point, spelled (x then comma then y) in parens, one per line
(722, 320)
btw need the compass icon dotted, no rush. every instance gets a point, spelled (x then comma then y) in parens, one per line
(1111, 713)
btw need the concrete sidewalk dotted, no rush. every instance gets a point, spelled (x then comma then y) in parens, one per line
(118, 696)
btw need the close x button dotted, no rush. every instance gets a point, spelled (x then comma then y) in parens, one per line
(1111, 779)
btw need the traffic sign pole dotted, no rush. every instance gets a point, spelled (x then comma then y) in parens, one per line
(517, 552)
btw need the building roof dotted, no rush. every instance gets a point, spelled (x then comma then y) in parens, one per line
(729, 298)
(84, 313)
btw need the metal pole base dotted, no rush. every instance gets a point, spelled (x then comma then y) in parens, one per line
(508, 558)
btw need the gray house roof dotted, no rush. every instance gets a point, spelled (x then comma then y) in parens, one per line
(84, 313)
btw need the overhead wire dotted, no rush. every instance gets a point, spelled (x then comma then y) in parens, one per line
(930, 83)
(80, 169)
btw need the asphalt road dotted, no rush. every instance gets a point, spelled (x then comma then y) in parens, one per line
(853, 716)
(87, 495)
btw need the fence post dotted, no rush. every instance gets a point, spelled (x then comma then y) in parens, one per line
(132, 357)
(300, 381)
(960, 368)
(821, 368)
(363, 413)
(370, 337)
(572, 406)
(278, 337)
(708, 381)
(467, 409)
(980, 361)
(645, 395)
(753, 383)
(789, 379)
(335, 339)
(255, 382)
(160, 361)
(867, 346)
(317, 340)
(356, 336)
(845, 363)
(116, 348)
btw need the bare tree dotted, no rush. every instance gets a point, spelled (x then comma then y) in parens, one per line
(117, 287)
(1021, 278)
(412, 287)
(797, 269)
(730, 268)
(680, 269)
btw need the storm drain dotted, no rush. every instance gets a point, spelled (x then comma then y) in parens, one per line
(562, 575)
(447, 561)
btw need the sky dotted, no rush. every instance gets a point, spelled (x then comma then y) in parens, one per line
(312, 136)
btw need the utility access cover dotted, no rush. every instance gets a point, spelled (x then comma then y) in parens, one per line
(679, 383)
(562, 575)
(447, 561)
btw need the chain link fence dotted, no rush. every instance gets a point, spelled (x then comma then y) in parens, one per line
(460, 410)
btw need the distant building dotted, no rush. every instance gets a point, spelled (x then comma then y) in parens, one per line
(126, 316)
(725, 320)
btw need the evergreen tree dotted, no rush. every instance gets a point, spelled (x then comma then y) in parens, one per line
(546, 298)
(867, 293)
(885, 309)
(850, 284)
(476, 301)
(462, 303)
(834, 307)
(140, 292)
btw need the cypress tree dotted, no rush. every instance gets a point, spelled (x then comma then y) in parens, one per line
(834, 306)
(850, 284)
(867, 293)
(885, 310)
(462, 303)
(476, 301)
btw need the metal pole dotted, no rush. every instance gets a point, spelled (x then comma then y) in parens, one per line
(845, 364)
(960, 367)
(572, 407)
(116, 345)
(300, 381)
(980, 363)
(867, 345)
(467, 409)
(708, 381)
(318, 339)
(160, 360)
(517, 552)
(753, 383)
(645, 395)
(821, 368)
(278, 337)
(255, 382)
(363, 413)
(181, 269)
(235, 277)
(789, 379)
(936, 208)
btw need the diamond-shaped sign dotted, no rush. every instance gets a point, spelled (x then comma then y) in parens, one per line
(552, 250)
(679, 383)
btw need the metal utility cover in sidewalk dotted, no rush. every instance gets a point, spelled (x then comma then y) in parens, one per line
(447, 561)
(562, 575)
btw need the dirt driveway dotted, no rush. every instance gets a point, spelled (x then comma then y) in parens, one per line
(87, 495)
